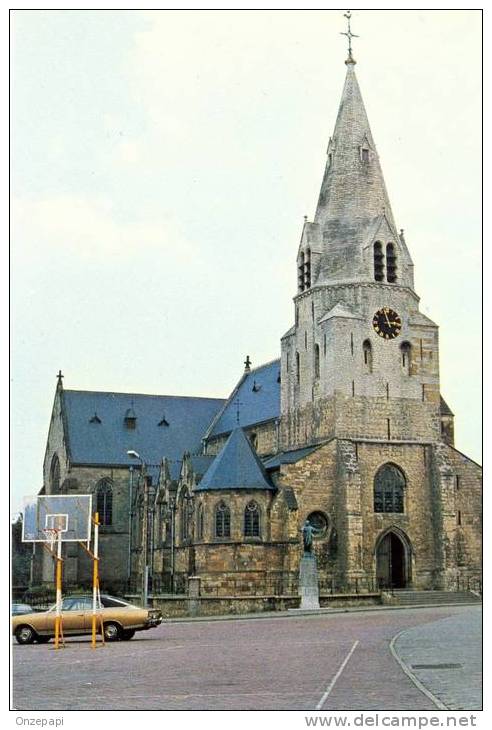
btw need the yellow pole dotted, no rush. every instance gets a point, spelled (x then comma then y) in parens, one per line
(95, 578)
(58, 618)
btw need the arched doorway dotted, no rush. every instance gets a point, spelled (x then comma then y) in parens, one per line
(392, 569)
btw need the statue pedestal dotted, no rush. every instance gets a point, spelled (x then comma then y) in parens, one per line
(308, 582)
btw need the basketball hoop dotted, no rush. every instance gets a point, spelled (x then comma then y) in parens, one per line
(51, 534)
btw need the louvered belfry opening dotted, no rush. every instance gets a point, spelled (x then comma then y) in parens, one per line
(390, 263)
(378, 262)
(300, 278)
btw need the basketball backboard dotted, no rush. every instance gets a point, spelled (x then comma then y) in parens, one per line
(70, 514)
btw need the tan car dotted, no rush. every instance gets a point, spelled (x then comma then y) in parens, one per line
(120, 620)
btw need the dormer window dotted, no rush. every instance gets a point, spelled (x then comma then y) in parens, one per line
(95, 418)
(364, 154)
(330, 159)
(130, 419)
(255, 387)
(163, 421)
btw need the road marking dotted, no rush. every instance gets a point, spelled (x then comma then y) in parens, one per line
(440, 705)
(337, 675)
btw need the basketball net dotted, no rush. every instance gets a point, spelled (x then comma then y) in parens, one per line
(51, 534)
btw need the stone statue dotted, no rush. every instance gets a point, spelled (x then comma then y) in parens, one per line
(307, 536)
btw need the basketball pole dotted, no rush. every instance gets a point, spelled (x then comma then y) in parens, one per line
(95, 580)
(58, 618)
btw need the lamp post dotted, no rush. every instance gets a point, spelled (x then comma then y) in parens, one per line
(145, 567)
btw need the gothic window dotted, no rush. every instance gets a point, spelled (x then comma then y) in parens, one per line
(55, 475)
(316, 361)
(252, 520)
(390, 263)
(307, 269)
(389, 486)
(406, 351)
(367, 354)
(186, 510)
(301, 271)
(298, 368)
(104, 501)
(378, 262)
(199, 522)
(222, 520)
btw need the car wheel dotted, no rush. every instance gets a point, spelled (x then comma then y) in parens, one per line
(127, 634)
(25, 635)
(112, 632)
(43, 639)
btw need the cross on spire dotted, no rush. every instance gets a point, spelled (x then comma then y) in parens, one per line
(349, 35)
(247, 364)
(60, 376)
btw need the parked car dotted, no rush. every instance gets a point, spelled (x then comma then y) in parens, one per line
(20, 608)
(120, 620)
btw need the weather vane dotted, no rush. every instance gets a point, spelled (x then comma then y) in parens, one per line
(349, 35)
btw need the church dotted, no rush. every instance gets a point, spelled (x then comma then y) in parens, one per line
(348, 429)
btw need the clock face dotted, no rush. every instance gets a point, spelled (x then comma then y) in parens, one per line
(387, 323)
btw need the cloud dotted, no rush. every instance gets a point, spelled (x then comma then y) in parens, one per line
(90, 228)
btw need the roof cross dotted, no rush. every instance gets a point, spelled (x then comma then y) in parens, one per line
(349, 35)
(60, 376)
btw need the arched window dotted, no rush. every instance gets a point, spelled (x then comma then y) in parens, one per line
(55, 475)
(298, 368)
(390, 263)
(406, 352)
(252, 520)
(199, 522)
(301, 271)
(367, 354)
(316, 361)
(222, 520)
(378, 261)
(186, 509)
(307, 269)
(104, 501)
(389, 486)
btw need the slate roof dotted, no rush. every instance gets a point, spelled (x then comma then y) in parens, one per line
(236, 467)
(445, 409)
(106, 439)
(201, 463)
(255, 405)
(289, 457)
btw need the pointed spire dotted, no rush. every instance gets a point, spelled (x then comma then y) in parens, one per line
(59, 381)
(353, 202)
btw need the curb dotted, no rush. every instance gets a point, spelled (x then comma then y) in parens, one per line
(406, 669)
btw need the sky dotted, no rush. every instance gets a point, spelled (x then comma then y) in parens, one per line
(162, 163)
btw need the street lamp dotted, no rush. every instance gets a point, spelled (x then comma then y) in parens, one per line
(145, 568)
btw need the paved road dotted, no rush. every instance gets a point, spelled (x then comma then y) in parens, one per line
(328, 662)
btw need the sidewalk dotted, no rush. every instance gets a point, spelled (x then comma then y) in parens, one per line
(445, 656)
(297, 612)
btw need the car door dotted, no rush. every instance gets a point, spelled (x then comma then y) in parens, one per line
(75, 615)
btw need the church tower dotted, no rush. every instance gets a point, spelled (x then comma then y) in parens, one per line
(363, 426)
(360, 360)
